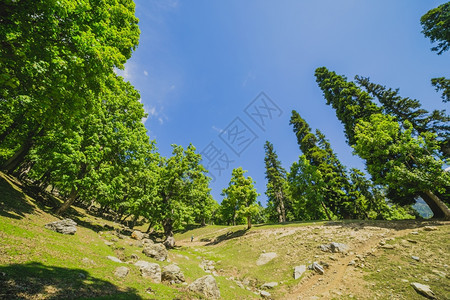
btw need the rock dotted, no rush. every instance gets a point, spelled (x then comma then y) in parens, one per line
(206, 286)
(430, 228)
(108, 243)
(157, 251)
(316, 267)
(269, 285)
(388, 246)
(298, 271)
(265, 295)
(134, 256)
(169, 242)
(416, 258)
(172, 273)
(150, 270)
(113, 258)
(121, 272)
(66, 226)
(334, 247)
(264, 258)
(147, 241)
(137, 235)
(87, 262)
(423, 290)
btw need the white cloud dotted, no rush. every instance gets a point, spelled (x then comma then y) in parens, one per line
(250, 76)
(145, 73)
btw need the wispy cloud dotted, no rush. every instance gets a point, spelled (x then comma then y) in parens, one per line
(250, 76)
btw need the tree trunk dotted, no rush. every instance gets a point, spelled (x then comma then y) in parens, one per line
(149, 227)
(14, 161)
(203, 222)
(168, 227)
(439, 209)
(249, 222)
(70, 200)
(326, 211)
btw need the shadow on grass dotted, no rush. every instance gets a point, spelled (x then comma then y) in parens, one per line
(34, 280)
(188, 227)
(228, 236)
(13, 203)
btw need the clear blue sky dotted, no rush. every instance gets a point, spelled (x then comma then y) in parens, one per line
(200, 64)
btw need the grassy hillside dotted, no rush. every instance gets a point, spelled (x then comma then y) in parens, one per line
(36, 263)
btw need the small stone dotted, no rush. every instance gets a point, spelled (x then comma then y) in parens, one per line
(86, 261)
(134, 256)
(298, 271)
(318, 268)
(430, 228)
(264, 258)
(121, 272)
(113, 258)
(269, 285)
(265, 294)
(416, 258)
(137, 235)
(412, 241)
(388, 246)
(423, 290)
(351, 263)
(414, 233)
(405, 280)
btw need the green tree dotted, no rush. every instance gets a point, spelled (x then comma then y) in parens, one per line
(407, 109)
(319, 154)
(55, 58)
(181, 178)
(240, 197)
(436, 27)
(395, 156)
(276, 189)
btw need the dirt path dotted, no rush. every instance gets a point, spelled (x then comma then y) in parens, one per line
(343, 277)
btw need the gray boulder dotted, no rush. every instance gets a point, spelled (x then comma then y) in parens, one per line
(334, 247)
(66, 226)
(265, 295)
(172, 273)
(149, 270)
(137, 235)
(121, 272)
(170, 242)
(206, 286)
(269, 285)
(264, 258)
(424, 290)
(316, 267)
(156, 251)
(298, 271)
(114, 259)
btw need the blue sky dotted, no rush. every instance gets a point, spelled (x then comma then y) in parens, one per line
(200, 64)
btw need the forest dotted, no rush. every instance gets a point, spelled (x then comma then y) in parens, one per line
(71, 129)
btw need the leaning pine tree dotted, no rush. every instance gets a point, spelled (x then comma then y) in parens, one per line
(405, 162)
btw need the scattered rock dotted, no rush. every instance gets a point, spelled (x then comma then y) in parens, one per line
(352, 263)
(113, 258)
(412, 241)
(121, 272)
(207, 286)
(173, 274)
(265, 294)
(269, 285)
(66, 226)
(207, 265)
(87, 262)
(298, 271)
(388, 246)
(134, 256)
(150, 270)
(430, 228)
(108, 243)
(157, 251)
(423, 290)
(414, 232)
(416, 258)
(264, 258)
(137, 235)
(316, 267)
(169, 242)
(147, 241)
(334, 247)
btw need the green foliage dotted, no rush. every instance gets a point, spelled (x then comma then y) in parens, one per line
(240, 198)
(276, 189)
(442, 84)
(398, 159)
(436, 24)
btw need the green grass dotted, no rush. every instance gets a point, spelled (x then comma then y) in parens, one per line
(36, 263)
